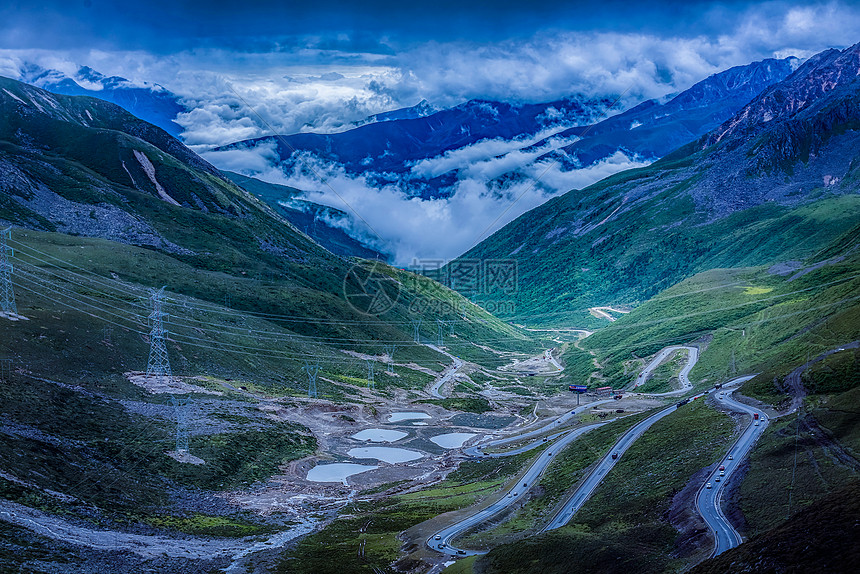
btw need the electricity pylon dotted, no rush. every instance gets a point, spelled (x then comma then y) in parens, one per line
(416, 325)
(312, 371)
(181, 408)
(370, 378)
(440, 341)
(389, 350)
(159, 363)
(7, 294)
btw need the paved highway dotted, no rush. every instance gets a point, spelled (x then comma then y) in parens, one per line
(441, 541)
(683, 376)
(446, 376)
(587, 488)
(708, 501)
(555, 424)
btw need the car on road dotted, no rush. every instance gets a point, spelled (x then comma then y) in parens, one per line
(708, 485)
(438, 537)
(716, 479)
(722, 473)
(731, 457)
(614, 455)
(461, 551)
(756, 423)
(722, 467)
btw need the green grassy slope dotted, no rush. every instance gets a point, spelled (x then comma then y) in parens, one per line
(752, 320)
(625, 526)
(821, 538)
(777, 182)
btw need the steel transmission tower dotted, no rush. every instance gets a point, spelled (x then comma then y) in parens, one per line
(440, 341)
(312, 371)
(416, 325)
(181, 408)
(7, 295)
(159, 363)
(389, 350)
(370, 378)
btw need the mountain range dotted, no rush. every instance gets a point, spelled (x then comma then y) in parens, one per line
(421, 153)
(150, 102)
(775, 181)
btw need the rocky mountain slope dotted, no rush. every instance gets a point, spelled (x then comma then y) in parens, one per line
(150, 102)
(85, 167)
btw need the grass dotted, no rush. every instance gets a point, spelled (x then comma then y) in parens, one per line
(794, 462)
(89, 447)
(623, 526)
(570, 466)
(819, 538)
(468, 404)
(202, 525)
(665, 376)
(741, 329)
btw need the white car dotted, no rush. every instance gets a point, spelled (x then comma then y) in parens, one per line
(708, 485)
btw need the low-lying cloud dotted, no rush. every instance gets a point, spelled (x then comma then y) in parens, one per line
(391, 220)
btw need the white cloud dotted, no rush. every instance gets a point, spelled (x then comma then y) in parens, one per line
(389, 219)
(304, 89)
(486, 151)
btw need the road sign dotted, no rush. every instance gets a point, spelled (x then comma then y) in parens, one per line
(578, 388)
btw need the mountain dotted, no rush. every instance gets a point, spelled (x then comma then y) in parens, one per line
(150, 102)
(807, 542)
(84, 167)
(651, 129)
(774, 182)
(419, 110)
(386, 150)
(319, 222)
(395, 145)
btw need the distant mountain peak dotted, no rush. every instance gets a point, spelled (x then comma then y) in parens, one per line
(811, 81)
(147, 101)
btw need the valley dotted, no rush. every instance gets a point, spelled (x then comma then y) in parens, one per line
(657, 372)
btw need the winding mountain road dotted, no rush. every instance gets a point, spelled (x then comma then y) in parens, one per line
(441, 541)
(708, 501)
(435, 388)
(555, 424)
(587, 488)
(683, 376)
